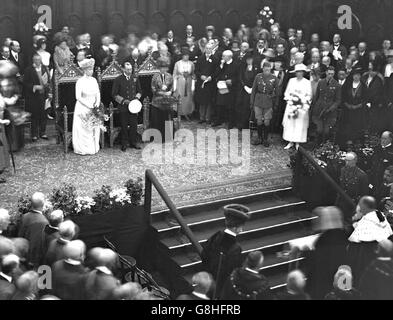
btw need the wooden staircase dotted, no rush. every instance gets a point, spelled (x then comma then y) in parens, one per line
(278, 217)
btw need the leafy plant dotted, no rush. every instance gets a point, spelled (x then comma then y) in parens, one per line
(102, 199)
(24, 204)
(135, 190)
(64, 198)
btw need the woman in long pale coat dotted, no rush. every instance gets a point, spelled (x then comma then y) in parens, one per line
(184, 84)
(85, 137)
(295, 128)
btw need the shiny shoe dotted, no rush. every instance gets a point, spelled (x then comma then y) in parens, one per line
(34, 139)
(44, 137)
(123, 149)
(289, 146)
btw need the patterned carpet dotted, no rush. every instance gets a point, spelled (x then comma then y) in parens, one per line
(42, 166)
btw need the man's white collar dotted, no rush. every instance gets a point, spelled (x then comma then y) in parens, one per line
(7, 277)
(201, 295)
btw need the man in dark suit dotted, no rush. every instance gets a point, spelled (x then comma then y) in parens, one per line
(5, 53)
(227, 78)
(67, 232)
(246, 283)
(37, 89)
(222, 253)
(239, 56)
(205, 68)
(105, 54)
(125, 89)
(68, 274)
(382, 159)
(363, 55)
(9, 265)
(276, 38)
(195, 52)
(202, 283)
(171, 41)
(259, 53)
(100, 282)
(32, 227)
(51, 230)
(340, 52)
(376, 111)
(17, 57)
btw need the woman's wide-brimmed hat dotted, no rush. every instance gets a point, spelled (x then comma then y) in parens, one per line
(300, 67)
(162, 63)
(269, 53)
(87, 64)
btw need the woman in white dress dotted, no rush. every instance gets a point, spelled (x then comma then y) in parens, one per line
(85, 137)
(184, 84)
(295, 128)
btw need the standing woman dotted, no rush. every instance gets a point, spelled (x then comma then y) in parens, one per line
(45, 55)
(354, 104)
(296, 122)
(248, 73)
(62, 56)
(85, 136)
(184, 84)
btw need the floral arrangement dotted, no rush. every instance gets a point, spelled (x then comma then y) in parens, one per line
(296, 102)
(267, 14)
(96, 118)
(84, 205)
(41, 29)
(65, 198)
(327, 156)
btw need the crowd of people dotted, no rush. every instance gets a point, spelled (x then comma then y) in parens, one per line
(283, 83)
(341, 263)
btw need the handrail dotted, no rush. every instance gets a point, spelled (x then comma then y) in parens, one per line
(151, 180)
(303, 153)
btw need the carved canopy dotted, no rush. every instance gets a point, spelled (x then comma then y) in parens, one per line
(110, 73)
(148, 67)
(70, 75)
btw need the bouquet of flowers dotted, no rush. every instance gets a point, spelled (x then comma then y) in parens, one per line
(267, 13)
(103, 199)
(84, 205)
(96, 118)
(120, 197)
(296, 102)
(41, 29)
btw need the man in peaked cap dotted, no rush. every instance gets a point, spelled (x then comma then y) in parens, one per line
(222, 252)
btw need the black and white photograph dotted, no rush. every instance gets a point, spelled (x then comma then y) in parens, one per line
(217, 151)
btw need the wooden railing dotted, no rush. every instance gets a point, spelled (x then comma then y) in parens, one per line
(303, 154)
(151, 180)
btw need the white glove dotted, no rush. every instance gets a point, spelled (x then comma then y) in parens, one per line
(193, 85)
(248, 89)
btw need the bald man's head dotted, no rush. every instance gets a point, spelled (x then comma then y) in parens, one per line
(38, 201)
(351, 159)
(67, 230)
(75, 250)
(202, 282)
(55, 218)
(296, 282)
(5, 219)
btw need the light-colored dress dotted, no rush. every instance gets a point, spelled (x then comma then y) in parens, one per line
(85, 139)
(295, 129)
(184, 83)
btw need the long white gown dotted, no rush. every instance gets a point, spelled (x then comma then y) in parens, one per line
(295, 130)
(85, 139)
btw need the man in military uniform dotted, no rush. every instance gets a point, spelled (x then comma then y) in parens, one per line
(263, 101)
(382, 159)
(354, 182)
(222, 252)
(246, 283)
(327, 100)
(125, 89)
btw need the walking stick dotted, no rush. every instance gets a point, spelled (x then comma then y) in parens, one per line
(10, 150)
(218, 274)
